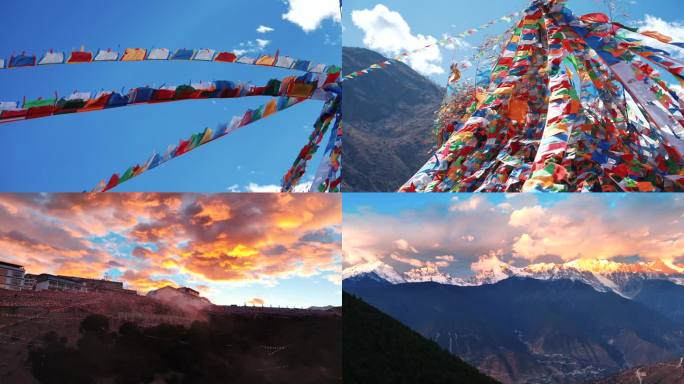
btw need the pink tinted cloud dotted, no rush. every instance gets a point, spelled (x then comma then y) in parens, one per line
(256, 301)
(216, 237)
(521, 230)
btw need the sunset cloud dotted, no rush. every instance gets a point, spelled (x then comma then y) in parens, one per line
(150, 240)
(476, 232)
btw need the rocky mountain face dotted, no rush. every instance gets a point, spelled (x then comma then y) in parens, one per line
(530, 330)
(388, 117)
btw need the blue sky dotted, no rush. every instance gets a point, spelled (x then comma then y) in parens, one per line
(452, 17)
(73, 152)
(463, 234)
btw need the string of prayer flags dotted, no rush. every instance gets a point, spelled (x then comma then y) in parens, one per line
(305, 86)
(157, 54)
(330, 113)
(197, 140)
(319, 82)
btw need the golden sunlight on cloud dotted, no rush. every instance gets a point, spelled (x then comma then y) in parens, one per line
(150, 239)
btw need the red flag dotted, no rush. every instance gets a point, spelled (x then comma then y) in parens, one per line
(595, 18)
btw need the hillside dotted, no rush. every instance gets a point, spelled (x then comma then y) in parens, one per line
(51, 337)
(388, 117)
(523, 330)
(378, 349)
(671, 372)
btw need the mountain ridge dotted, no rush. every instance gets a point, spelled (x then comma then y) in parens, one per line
(388, 119)
(602, 275)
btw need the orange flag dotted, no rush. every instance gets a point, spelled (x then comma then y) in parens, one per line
(517, 109)
(658, 36)
(271, 108)
(134, 54)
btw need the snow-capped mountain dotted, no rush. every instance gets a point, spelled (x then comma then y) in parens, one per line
(498, 272)
(373, 270)
(430, 273)
(602, 275)
(605, 275)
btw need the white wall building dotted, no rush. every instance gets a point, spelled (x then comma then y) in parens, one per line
(47, 282)
(11, 276)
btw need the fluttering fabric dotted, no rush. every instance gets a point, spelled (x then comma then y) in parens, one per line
(305, 86)
(327, 177)
(572, 104)
(320, 82)
(199, 139)
(143, 54)
(297, 89)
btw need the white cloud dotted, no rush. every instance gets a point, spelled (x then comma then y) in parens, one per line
(673, 29)
(487, 262)
(472, 204)
(443, 261)
(262, 43)
(526, 216)
(335, 278)
(309, 14)
(386, 31)
(251, 46)
(254, 187)
(505, 206)
(406, 260)
(264, 29)
(405, 246)
(455, 43)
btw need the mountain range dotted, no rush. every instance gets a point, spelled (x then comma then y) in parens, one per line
(546, 323)
(388, 119)
(625, 279)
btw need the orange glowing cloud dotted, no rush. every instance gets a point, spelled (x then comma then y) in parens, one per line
(151, 238)
(256, 302)
(521, 230)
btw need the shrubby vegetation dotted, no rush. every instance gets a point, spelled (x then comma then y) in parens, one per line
(379, 350)
(227, 349)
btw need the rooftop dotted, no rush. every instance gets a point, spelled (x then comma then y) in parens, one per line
(6, 264)
(47, 276)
